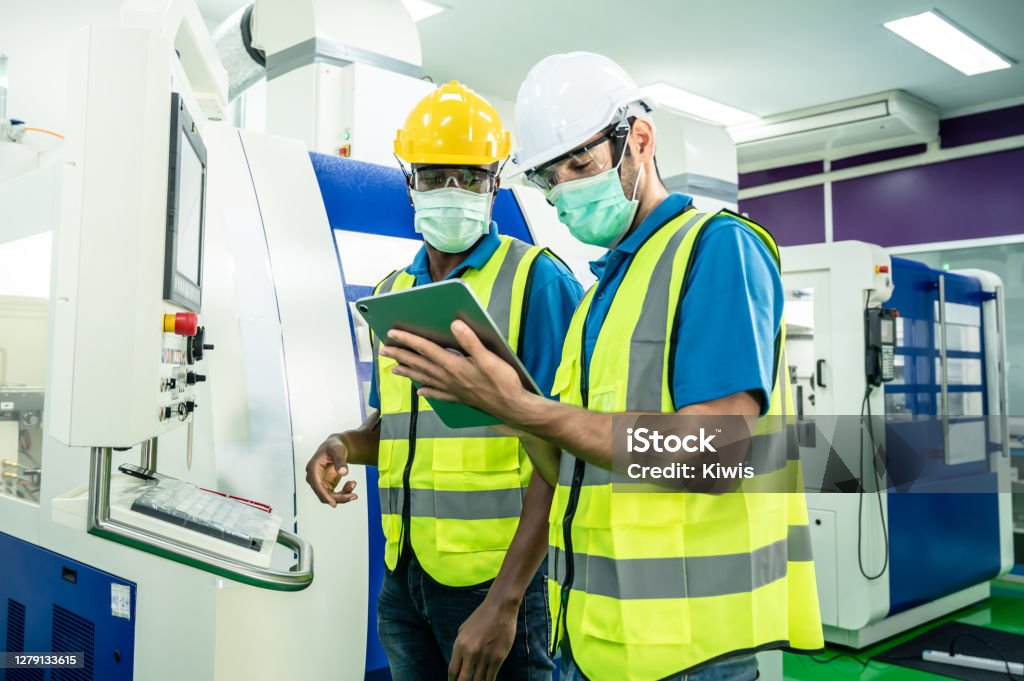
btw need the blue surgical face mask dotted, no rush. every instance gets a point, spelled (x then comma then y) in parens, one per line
(594, 208)
(450, 219)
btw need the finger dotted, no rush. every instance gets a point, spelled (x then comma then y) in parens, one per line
(343, 498)
(411, 360)
(437, 394)
(456, 664)
(346, 493)
(468, 339)
(414, 375)
(468, 670)
(490, 673)
(320, 490)
(421, 346)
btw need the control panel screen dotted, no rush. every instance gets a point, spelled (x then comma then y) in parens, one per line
(186, 197)
(189, 212)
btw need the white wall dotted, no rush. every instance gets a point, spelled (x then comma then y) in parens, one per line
(35, 36)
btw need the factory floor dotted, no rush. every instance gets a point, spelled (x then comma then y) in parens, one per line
(1003, 610)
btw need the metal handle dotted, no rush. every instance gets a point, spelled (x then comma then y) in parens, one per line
(1004, 417)
(101, 525)
(945, 367)
(818, 373)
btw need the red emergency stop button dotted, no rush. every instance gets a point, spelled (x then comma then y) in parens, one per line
(181, 323)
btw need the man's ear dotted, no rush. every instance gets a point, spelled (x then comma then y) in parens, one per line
(642, 136)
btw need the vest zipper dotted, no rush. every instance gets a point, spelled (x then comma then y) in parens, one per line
(406, 474)
(578, 471)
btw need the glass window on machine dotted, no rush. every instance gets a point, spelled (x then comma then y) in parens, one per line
(24, 290)
(1006, 261)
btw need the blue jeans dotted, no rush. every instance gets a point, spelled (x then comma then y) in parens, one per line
(418, 621)
(736, 669)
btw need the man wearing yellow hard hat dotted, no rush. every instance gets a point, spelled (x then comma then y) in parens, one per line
(464, 514)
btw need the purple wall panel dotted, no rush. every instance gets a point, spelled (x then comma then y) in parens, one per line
(759, 177)
(979, 127)
(967, 198)
(794, 217)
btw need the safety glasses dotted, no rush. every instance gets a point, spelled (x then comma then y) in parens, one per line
(587, 160)
(470, 178)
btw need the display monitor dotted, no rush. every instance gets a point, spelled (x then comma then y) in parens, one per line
(186, 198)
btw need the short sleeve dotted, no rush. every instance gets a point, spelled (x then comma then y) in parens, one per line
(729, 319)
(553, 297)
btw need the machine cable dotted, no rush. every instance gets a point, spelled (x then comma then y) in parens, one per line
(979, 639)
(865, 405)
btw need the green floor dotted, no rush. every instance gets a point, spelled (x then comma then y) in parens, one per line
(1004, 610)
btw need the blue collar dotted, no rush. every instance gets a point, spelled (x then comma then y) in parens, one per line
(665, 211)
(477, 257)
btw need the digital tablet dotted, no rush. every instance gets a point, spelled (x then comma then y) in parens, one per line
(429, 311)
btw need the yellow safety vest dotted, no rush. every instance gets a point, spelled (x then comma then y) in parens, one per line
(657, 584)
(457, 492)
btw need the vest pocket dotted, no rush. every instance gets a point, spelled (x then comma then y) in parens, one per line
(475, 536)
(637, 622)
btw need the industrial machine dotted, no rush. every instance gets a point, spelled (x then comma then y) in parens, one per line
(180, 364)
(900, 389)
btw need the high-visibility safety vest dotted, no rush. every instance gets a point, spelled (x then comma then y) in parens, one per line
(647, 585)
(457, 493)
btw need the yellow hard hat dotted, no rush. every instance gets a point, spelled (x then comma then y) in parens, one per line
(453, 125)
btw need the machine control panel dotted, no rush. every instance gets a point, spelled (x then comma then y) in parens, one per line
(182, 347)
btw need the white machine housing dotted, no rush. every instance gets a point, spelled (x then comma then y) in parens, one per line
(838, 280)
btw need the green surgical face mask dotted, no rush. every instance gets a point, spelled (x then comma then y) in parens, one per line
(450, 219)
(594, 208)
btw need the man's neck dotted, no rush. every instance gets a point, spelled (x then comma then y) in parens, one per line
(441, 264)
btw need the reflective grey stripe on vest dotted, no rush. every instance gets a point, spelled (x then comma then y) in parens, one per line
(691, 577)
(647, 344)
(479, 505)
(428, 424)
(499, 307)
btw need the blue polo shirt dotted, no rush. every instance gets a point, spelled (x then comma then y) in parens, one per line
(730, 314)
(553, 296)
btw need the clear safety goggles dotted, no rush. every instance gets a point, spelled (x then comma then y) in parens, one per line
(584, 161)
(471, 178)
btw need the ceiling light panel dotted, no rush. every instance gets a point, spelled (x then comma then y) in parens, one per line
(671, 97)
(942, 39)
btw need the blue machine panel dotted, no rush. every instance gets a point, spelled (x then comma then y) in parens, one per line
(50, 603)
(365, 197)
(372, 199)
(920, 569)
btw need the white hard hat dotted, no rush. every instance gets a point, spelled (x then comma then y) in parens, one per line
(568, 98)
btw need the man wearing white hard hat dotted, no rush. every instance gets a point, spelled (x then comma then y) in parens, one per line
(686, 317)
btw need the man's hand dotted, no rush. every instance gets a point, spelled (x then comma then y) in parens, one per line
(326, 469)
(480, 379)
(483, 643)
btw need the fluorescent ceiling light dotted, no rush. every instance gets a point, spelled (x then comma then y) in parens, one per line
(690, 104)
(936, 35)
(421, 9)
